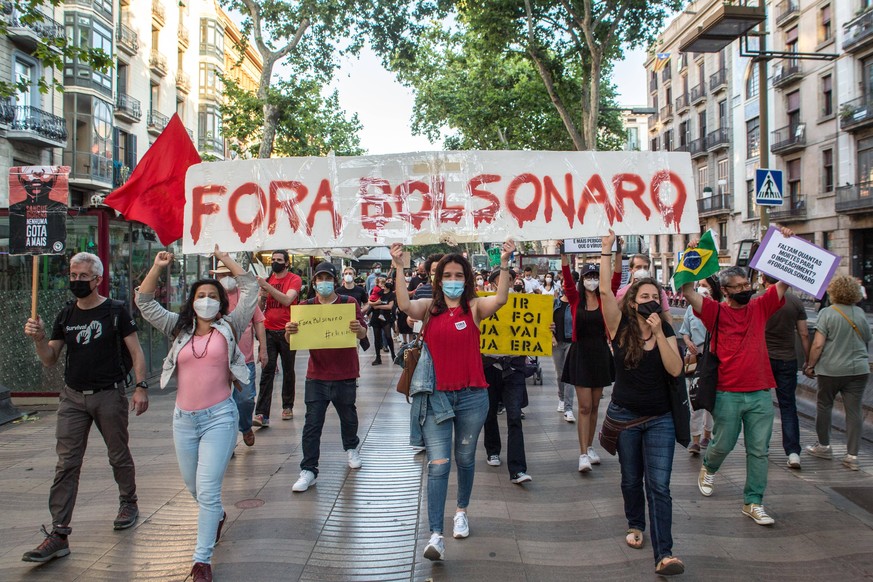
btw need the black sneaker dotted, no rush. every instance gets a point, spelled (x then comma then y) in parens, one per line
(127, 514)
(54, 545)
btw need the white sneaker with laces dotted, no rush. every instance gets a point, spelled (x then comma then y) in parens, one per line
(354, 459)
(521, 477)
(584, 464)
(462, 526)
(757, 513)
(494, 460)
(435, 548)
(568, 416)
(560, 406)
(794, 461)
(706, 482)
(593, 456)
(303, 483)
(820, 451)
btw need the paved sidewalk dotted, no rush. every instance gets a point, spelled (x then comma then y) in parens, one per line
(371, 524)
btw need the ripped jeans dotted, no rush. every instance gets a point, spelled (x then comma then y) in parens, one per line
(470, 406)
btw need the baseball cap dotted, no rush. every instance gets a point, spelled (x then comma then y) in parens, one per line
(589, 269)
(325, 267)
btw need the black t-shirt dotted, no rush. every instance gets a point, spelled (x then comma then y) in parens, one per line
(92, 348)
(357, 292)
(643, 390)
(384, 316)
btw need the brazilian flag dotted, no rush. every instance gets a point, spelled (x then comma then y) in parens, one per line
(697, 263)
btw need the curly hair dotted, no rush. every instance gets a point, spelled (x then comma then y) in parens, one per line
(630, 336)
(844, 290)
(439, 299)
(187, 316)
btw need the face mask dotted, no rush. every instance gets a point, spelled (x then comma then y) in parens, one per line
(591, 284)
(206, 308)
(228, 283)
(348, 279)
(743, 297)
(324, 288)
(377, 270)
(548, 279)
(80, 289)
(278, 267)
(648, 308)
(453, 289)
(527, 277)
(408, 279)
(480, 281)
(641, 274)
(389, 286)
(703, 291)
(518, 288)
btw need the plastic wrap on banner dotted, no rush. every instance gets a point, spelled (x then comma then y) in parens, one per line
(431, 197)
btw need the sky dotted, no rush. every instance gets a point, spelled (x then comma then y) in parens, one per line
(384, 106)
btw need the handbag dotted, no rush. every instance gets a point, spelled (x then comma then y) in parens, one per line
(703, 397)
(611, 428)
(411, 355)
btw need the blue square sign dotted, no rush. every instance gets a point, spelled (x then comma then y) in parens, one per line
(768, 187)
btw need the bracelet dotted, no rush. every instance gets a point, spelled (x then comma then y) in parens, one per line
(605, 254)
(502, 268)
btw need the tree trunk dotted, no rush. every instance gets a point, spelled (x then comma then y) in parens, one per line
(591, 106)
(271, 112)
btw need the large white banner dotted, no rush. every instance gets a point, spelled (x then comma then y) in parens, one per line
(428, 197)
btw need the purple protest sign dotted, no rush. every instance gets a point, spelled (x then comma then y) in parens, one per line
(795, 261)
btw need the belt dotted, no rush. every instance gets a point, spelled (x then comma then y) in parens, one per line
(113, 386)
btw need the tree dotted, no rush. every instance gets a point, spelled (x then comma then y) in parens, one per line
(54, 47)
(307, 124)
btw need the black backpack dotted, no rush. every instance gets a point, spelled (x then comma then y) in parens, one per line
(122, 353)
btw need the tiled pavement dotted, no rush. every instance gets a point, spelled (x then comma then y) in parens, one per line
(370, 524)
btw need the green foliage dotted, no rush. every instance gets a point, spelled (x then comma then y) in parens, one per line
(309, 123)
(51, 50)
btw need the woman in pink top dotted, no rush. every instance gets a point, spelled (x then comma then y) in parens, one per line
(206, 362)
(459, 401)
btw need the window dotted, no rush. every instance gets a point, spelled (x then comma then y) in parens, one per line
(701, 124)
(25, 70)
(753, 138)
(752, 82)
(669, 96)
(668, 140)
(87, 33)
(751, 206)
(722, 236)
(702, 178)
(210, 83)
(722, 113)
(211, 38)
(791, 45)
(684, 129)
(89, 148)
(827, 95)
(827, 164)
(723, 182)
(701, 74)
(155, 98)
(633, 139)
(824, 23)
(793, 110)
(654, 145)
(865, 164)
(209, 129)
(124, 156)
(794, 193)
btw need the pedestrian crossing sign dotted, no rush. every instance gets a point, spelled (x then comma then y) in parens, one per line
(768, 187)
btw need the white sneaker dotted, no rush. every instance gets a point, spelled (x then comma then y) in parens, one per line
(494, 460)
(820, 451)
(568, 416)
(435, 548)
(851, 462)
(794, 461)
(306, 479)
(354, 459)
(560, 406)
(593, 456)
(520, 478)
(757, 513)
(584, 464)
(462, 526)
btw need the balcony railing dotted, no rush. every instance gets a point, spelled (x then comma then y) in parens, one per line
(120, 173)
(788, 139)
(158, 13)
(859, 32)
(793, 208)
(857, 113)
(184, 36)
(38, 123)
(787, 10)
(210, 49)
(682, 103)
(157, 121)
(90, 167)
(666, 111)
(183, 82)
(698, 93)
(29, 32)
(158, 64)
(787, 70)
(857, 198)
(127, 39)
(667, 73)
(720, 138)
(697, 147)
(653, 121)
(718, 80)
(715, 204)
(128, 107)
(211, 144)
(653, 82)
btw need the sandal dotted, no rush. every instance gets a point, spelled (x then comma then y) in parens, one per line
(634, 538)
(670, 566)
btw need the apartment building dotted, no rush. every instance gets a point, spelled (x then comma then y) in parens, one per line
(635, 130)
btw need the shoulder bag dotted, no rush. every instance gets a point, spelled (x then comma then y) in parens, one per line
(702, 393)
(411, 355)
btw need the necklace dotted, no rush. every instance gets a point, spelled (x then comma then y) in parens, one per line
(205, 348)
(645, 339)
(453, 310)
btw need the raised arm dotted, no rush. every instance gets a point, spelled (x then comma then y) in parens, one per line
(152, 311)
(485, 307)
(611, 312)
(569, 286)
(413, 308)
(782, 288)
(694, 299)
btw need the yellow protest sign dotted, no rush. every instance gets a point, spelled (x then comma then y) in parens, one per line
(323, 326)
(519, 328)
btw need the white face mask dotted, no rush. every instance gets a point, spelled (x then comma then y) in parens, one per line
(228, 283)
(348, 278)
(206, 308)
(641, 274)
(703, 291)
(591, 284)
(548, 279)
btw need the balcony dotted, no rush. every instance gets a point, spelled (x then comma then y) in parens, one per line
(89, 171)
(666, 73)
(211, 145)
(184, 36)
(682, 103)
(787, 71)
(715, 205)
(29, 35)
(158, 64)
(33, 126)
(158, 14)
(854, 199)
(786, 140)
(857, 114)
(653, 82)
(212, 50)
(157, 121)
(787, 11)
(793, 209)
(127, 108)
(718, 139)
(859, 33)
(653, 122)
(183, 83)
(666, 112)
(718, 81)
(126, 39)
(104, 9)
(697, 148)
(698, 93)
(7, 111)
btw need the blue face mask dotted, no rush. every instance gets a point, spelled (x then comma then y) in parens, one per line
(453, 289)
(324, 288)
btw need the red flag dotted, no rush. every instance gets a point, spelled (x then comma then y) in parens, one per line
(154, 194)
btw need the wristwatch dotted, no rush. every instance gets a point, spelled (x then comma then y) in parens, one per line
(144, 385)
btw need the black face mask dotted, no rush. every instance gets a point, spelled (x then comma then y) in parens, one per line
(743, 297)
(389, 286)
(519, 288)
(278, 267)
(80, 289)
(648, 308)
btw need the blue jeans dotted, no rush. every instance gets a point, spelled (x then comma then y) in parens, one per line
(645, 453)
(204, 442)
(318, 394)
(245, 401)
(470, 406)
(785, 372)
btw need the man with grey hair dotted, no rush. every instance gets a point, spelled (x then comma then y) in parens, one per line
(737, 327)
(102, 347)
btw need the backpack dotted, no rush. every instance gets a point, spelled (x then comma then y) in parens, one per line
(122, 353)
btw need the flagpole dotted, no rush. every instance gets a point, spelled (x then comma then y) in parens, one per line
(34, 286)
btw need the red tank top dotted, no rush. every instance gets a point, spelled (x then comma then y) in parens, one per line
(453, 342)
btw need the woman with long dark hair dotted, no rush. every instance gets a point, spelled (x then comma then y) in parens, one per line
(206, 362)
(646, 361)
(458, 401)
